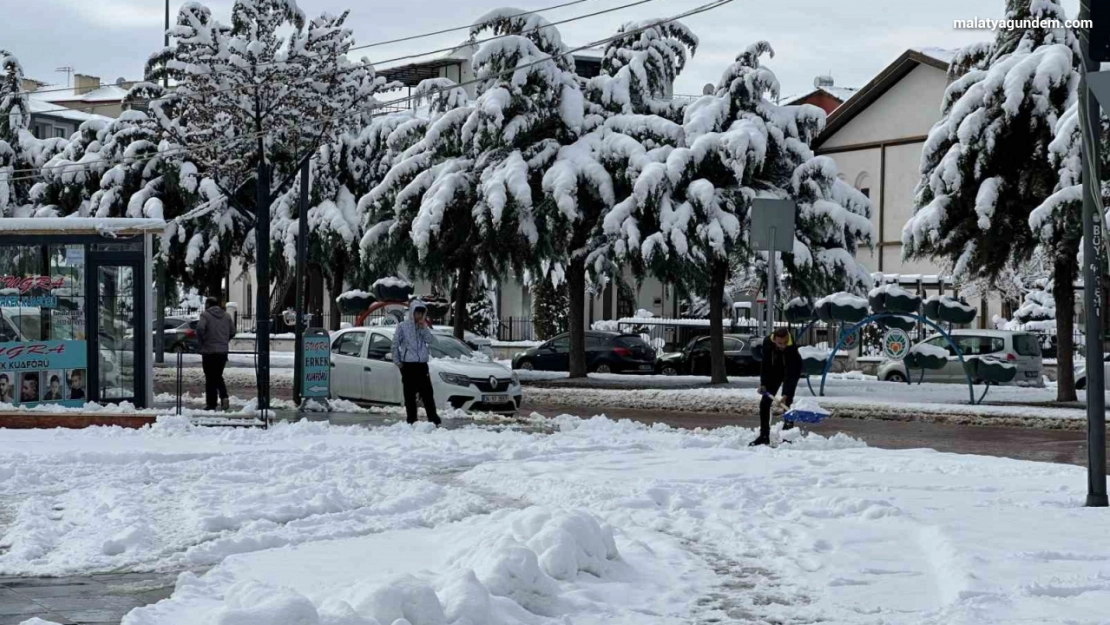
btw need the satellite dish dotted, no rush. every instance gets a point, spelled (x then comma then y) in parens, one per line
(120, 81)
(708, 89)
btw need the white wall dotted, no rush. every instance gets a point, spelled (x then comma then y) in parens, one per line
(908, 109)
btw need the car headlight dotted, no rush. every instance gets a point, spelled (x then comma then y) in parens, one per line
(516, 379)
(455, 379)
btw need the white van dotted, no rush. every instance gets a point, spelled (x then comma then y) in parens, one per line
(1023, 349)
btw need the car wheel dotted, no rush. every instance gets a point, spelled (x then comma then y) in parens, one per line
(603, 368)
(1081, 384)
(896, 376)
(527, 365)
(669, 370)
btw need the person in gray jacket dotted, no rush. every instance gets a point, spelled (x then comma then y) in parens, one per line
(410, 352)
(214, 332)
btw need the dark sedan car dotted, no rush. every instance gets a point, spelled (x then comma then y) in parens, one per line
(606, 352)
(180, 335)
(694, 358)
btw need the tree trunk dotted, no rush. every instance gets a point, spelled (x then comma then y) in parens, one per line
(576, 294)
(335, 287)
(1066, 269)
(462, 294)
(718, 276)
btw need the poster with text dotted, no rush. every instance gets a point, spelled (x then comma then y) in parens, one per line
(35, 372)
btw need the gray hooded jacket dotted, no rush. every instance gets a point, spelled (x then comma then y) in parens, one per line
(410, 343)
(214, 331)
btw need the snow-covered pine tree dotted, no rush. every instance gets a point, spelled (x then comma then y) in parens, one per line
(73, 175)
(21, 155)
(689, 215)
(420, 215)
(549, 308)
(270, 84)
(15, 117)
(529, 104)
(986, 163)
(622, 135)
(1057, 225)
(638, 70)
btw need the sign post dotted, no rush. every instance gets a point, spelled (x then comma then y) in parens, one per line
(772, 231)
(1094, 87)
(316, 364)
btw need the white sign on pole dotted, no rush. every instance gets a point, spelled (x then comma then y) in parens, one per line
(773, 231)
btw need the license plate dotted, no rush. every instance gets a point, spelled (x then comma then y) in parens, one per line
(495, 399)
(646, 367)
(1030, 374)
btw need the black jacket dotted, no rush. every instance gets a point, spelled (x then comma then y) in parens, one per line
(780, 367)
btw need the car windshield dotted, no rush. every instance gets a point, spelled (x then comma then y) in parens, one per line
(448, 347)
(1026, 345)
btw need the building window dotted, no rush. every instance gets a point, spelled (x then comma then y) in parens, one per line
(863, 184)
(59, 132)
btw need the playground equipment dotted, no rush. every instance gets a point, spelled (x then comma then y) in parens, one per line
(894, 307)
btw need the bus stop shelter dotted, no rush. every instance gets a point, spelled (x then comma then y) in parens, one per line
(76, 303)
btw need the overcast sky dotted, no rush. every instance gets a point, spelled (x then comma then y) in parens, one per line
(852, 39)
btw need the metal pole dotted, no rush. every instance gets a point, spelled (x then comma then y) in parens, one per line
(302, 260)
(1093, 234)
(262, 271)
(160, 274)
(772, 283)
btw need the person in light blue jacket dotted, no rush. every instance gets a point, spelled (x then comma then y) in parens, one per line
(410, 353)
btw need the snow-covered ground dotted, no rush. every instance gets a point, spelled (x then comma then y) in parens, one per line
(853, 391)
(600, 522)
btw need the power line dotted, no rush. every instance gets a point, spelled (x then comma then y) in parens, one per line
(370, 45)
(715, 4)
(380, 62)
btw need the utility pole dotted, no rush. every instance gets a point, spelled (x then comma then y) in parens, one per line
(160, 272)
(1093, 235)
(302, 260)
(262, 272)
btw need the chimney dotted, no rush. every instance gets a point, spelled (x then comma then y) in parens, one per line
(83, 83)
(30, 84)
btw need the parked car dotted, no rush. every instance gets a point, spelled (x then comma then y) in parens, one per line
(606, 352)
(180, 335)
(1023, 349)
(1081, 374)
(694, 358)
(363, 370)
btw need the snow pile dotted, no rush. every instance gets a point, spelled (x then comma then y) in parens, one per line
(815, 353)
(950, 302)
(843, 299)
(929, 350)
(890, 289)
(353, 294)
(392, 282)
(606, 325)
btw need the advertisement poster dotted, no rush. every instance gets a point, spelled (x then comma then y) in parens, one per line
(317, 365)
(43, 372)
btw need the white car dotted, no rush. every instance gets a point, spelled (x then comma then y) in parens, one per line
(1019, 348)
(363, 371)
(477, 343)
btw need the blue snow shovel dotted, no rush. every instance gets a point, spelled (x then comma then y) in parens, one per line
(804, 411)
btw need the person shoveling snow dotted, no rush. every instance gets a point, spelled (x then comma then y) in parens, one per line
(781, 367)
